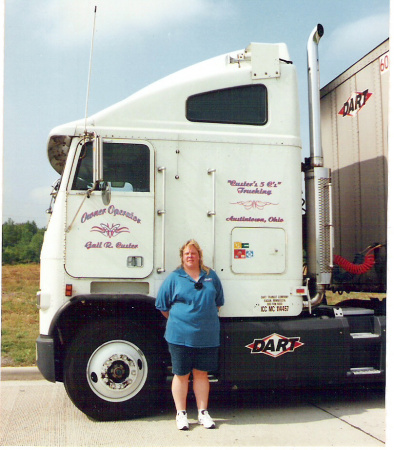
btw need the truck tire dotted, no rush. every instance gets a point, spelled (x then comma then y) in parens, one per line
(113, 370)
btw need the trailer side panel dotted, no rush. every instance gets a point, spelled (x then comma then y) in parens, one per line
(354, 113)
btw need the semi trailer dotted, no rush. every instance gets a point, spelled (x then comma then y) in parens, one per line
(354, 125)
(212, 152)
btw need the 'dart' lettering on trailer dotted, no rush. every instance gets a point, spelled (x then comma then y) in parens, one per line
(354, 103)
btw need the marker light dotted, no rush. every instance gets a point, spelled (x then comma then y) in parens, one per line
(301, 291)
(69, 290)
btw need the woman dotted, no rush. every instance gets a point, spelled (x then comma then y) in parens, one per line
(190, 298)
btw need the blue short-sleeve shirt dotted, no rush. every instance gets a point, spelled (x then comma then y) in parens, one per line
(193, 319)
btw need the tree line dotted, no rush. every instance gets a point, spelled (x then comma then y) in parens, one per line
(22, 242)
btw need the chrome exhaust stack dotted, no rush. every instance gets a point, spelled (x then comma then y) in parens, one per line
(319, 230)
(316, 152)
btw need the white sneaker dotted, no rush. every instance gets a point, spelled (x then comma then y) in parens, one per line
(181, 420)
(205, 419)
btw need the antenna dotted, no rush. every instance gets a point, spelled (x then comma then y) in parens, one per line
(90, 69)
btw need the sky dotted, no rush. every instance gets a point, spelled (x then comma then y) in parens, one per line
(47, 47)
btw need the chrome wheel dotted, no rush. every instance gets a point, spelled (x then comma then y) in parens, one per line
(117, 371)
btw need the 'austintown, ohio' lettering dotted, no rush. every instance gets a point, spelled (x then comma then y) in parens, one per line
(254, 219)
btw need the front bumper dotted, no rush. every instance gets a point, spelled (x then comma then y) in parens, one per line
(45, 347)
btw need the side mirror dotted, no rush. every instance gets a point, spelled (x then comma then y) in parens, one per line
(55, 190)
(97, 159)
(98, 174)
(105, 188)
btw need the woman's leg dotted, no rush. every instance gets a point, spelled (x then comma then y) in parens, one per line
(201, 388)
(180, 386)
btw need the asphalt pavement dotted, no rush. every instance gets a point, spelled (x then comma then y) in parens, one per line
(35, 412)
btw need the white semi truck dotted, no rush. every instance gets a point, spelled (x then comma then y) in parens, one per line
(212, 152)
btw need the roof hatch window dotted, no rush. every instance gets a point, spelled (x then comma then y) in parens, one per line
(242, 105)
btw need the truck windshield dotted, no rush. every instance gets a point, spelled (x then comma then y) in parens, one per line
(125, 166)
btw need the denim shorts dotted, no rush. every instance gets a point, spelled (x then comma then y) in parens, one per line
(185, 359)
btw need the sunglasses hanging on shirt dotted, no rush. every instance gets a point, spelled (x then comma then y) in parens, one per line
(198, 286)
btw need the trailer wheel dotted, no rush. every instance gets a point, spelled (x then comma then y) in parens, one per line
(113, 370)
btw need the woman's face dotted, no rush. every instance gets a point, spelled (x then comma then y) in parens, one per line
(191, 258)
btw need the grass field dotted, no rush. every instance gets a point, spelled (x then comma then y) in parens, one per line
(19, 318)
(19, 315)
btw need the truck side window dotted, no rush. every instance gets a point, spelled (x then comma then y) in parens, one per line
(125, 166)
(242, 105)
(84, 174)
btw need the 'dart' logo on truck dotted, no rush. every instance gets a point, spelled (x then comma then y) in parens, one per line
(274, 345)
(354, 103)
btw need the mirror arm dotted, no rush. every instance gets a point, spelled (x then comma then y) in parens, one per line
(95, 187)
